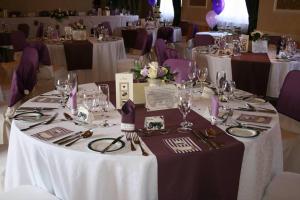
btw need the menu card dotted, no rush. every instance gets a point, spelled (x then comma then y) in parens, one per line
(254, 118)
(51, 133)
(124, 88)
(182, 145)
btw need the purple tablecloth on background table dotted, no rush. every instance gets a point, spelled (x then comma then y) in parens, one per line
(251, 72)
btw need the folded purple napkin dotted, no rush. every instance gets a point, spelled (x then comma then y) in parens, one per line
(128, 116)
(214, 106)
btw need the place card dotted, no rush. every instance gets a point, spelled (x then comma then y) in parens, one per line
(46, 100)
(244, 41)
(154, 123)
(182, 145)
(124, 88)
(52, 133)
(161, 97)
(254, 119)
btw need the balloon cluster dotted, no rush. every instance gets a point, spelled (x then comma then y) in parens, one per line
(218, 7)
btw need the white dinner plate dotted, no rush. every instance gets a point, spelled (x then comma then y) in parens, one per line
(100, 144)
(242, 132)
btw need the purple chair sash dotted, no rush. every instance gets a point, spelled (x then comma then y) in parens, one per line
(44, 57)
(179, 66)
(289, 98)
(25, 76)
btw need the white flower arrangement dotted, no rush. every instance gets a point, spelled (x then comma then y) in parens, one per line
(258, 35)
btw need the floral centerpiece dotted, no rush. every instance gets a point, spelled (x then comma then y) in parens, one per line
(78, 30)
(153, 71)
(59, 14)
(259, 42)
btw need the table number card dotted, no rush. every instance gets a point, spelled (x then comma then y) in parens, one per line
(124, 88)
(244, 39)
(161, 97)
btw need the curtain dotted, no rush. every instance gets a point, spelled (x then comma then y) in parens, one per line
(252, 7)
(177, 12)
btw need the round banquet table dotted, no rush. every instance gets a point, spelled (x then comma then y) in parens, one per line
(76, 172)
(278, 69)
(104, 62)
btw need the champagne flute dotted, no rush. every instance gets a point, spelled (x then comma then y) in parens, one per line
(60, 86)
(192, 71)
(202, 76)
(220, 78)
(103, 96)
(184, 106)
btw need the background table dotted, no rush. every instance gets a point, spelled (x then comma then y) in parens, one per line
(124, 174)
(105, 57)
(277, 74)
(89, 21)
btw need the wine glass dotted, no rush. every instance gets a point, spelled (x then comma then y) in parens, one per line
(103, 96)
(192, 71)
(184, 106)
(62, 87)
(220, 78)
(228, 88)
(90, 100)
(202, 76)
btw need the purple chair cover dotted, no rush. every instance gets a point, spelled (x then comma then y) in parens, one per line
(129, 37)
(24, 28)
(25, 76)
(163, 52)
(44, 57)
(179, 66)
(141, 39)
(289, 98)
(203, 40)
(165, 33)
(40, 31)
(148, 44)
(106, 25)
(18, 40)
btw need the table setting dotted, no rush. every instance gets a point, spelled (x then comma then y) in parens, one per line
(70, 131)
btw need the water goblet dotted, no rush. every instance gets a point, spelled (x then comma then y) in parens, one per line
(103, 96)
(192, 71)
(90, 100)
(184, 106)
(62, 88)
(202, 75)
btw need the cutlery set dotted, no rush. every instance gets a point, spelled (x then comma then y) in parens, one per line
(204, 138)
(133, 138)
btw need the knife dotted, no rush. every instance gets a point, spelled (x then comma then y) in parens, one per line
(211, 143)
(112, 143)
(210, 147)
(66, 138)
(41, 123)
(35, 108)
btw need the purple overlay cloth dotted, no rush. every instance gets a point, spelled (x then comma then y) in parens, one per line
(79, 54)
(107, 26)
(163, 52)
(206, 174)
(289, 98)
(179, 67)
(25, 76)
(251, 72)
(24, 28)
(203, 40)
(165, 33)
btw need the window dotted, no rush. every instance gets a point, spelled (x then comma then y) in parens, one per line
(234, 14)
(167, 10)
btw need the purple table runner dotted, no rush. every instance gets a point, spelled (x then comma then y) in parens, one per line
(207, 174)
(251, 72)
(79, 54)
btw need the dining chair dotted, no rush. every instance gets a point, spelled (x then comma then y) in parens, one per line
(203, 40)
(23, 82)
(24, 28)
(40, 31)
(192, 30)
(106, 25)
(27, 192)
(163, 52)
(165, 33)
(18, 40)
(289, 115)
(179, 67)
(284, 186)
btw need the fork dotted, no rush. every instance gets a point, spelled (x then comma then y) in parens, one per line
(136, 140)
(129, 138)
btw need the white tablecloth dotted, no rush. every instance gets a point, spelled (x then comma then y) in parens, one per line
(277, 74)
(77, 173)
(105, 57)
(89, 21)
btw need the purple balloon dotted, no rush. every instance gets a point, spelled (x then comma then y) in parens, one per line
(218, 6)
(152, 2)
(211, 19)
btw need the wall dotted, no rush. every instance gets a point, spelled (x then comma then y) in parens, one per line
(37, 5)
(269, 21)
(278, 22)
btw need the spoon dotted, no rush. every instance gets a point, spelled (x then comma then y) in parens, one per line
(86, 134)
